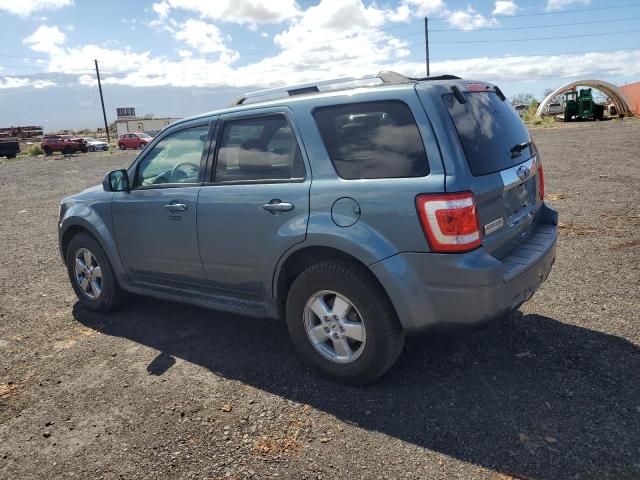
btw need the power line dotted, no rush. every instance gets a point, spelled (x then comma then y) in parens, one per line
(557, 37)
(529, 27)
(561, 12)
(625, 49)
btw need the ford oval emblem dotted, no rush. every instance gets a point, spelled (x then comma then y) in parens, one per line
(523, 172)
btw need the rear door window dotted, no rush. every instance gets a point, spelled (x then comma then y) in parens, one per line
(372, 140)
(258, 149)
(490, 131)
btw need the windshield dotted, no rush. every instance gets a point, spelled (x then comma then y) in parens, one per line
(492, 135)
(143, 135)
(89, 139)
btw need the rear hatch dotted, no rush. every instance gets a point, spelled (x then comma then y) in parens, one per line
(504, 169)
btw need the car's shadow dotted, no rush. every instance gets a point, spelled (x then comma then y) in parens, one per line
(528, 396)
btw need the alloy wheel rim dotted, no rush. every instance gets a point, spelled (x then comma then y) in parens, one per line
(87, 273)
(334, 326)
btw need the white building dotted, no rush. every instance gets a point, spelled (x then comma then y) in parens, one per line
(128, 122)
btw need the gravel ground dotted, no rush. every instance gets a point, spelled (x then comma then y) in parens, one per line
(160, 390)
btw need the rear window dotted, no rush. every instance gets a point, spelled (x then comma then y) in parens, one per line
(489, 129)
(372, 140)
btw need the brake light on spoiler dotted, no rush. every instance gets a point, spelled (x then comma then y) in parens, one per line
(449, 221)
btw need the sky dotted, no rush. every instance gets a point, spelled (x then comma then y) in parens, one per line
(183, 57)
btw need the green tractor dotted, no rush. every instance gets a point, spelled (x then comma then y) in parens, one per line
(580, 106)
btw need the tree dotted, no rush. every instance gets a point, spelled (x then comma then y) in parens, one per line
(147, 116)
(522, 99)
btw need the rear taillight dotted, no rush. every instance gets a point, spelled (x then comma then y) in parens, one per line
(449, 221)
(540, 179)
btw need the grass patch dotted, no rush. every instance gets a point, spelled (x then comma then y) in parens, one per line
(34, 150)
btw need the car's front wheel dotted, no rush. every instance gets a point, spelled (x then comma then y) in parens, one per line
(91, 274)
(342, 323)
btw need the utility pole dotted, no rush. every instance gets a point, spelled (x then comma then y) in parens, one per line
(426, 43)
(104, 114)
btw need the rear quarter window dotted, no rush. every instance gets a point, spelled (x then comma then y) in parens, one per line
(372, 140)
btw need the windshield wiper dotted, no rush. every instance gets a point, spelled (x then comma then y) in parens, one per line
(517, 148)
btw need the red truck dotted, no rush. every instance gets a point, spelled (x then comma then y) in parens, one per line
(65, 144)
(133, 140)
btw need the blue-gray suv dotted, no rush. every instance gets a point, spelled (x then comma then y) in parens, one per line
(357, 210)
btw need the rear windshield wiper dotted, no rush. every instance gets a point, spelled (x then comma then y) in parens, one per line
(517, 148)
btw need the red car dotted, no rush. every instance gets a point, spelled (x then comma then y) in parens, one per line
(133, 140)
(65, 144)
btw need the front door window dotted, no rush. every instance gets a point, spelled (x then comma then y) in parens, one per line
(174, 159)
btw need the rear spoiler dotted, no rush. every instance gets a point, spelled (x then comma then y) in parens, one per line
(476, 87)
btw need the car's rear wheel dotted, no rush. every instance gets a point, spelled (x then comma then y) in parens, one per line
(47, 151)
(121, 146)
(91, 274)
(342, 323)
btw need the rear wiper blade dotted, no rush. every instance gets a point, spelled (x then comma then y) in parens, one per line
(517, 149)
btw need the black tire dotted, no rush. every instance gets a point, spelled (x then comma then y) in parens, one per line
(12, 155)
(47, 151)
(92, 149)
(121, 146)
(384, 335)
(141, 146)
(67, 151)
(111, 294)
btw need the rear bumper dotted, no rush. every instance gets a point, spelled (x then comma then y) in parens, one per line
(429, 289)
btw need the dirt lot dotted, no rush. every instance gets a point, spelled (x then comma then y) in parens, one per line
(160, 390)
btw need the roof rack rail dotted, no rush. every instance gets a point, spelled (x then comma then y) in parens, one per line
(383, 77)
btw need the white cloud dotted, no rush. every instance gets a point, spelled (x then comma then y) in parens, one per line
(424, 8)
(162, 9)
(202, 36)
(45, 39)
(13, 82)
(505, 7)
(469, 19)
(236, 11)
(560, 4)
(17, 82)
(43, 84)
(51, 41)
(24, 8)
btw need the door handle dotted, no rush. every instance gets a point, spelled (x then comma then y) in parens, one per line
(276, 206)
(180, 207)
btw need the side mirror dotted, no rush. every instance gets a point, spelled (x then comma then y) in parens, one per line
(116, 181)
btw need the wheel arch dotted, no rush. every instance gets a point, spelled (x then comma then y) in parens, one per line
(302, 258)
(72, 226)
